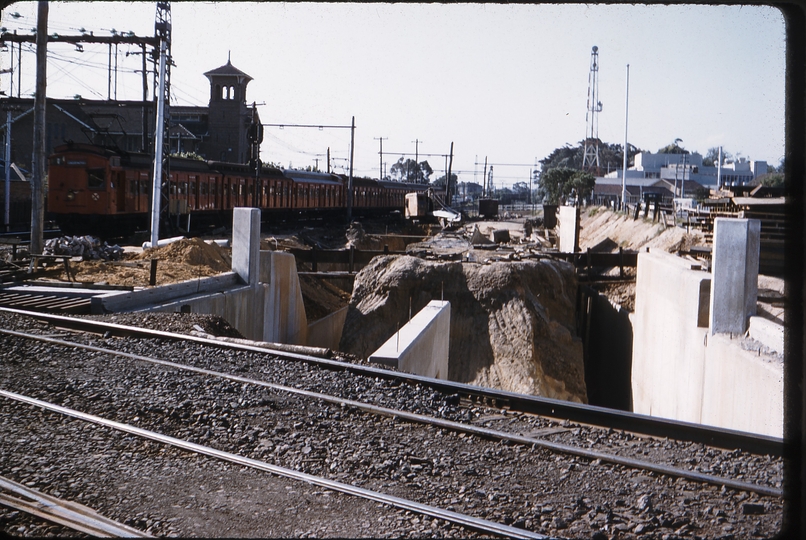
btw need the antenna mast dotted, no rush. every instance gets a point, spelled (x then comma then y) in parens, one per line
(590, 161)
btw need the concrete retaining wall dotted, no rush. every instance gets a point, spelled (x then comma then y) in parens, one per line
(421, 346)
(261, 297)
(681, 372)
(326, 332)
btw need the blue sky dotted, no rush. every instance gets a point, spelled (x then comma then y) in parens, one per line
(508, 82)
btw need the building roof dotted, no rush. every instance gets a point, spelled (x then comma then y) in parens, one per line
(640, 182)
(227, 70)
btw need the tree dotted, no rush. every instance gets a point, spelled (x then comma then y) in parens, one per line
(440, 182)
(561, 184)
(673, 148)
(520, 190)
(407, 170)
(712, 157)
(773, 180)
(611, 157)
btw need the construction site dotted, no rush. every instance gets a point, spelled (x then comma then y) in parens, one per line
(201, 343)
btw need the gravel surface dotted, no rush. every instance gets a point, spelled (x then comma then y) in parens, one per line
(527, 487)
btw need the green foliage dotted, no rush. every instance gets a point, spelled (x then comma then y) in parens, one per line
(673, 148)
(611, 157)
(440, 182)
(561, 184)
(773, 180)
(712, 157)
(407, 170)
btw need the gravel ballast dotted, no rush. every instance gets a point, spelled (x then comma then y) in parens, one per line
(527, 487)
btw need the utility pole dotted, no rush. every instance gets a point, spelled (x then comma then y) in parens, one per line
(7, 209)
(350, 183)
(328, 160)
(38, 168)
(448, 179)
(144, 143)
(380, 161)
(416, 159)
(624, 164)
(484, 180)
(683, 182)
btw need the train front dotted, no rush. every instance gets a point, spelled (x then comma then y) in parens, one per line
(81, 188)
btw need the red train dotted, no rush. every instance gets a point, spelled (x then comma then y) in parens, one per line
(106, 192)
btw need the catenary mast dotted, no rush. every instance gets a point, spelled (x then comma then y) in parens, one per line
(159, 202)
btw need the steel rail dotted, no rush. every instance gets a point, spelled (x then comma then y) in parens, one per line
(430, 420)
(553, 408)
(390, 500)
(69, 514)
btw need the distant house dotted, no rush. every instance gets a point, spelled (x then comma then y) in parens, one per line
(216, 132)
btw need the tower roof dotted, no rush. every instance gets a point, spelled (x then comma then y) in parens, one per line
(228, 70)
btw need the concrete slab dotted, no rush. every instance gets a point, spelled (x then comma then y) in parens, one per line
(768, 333)
(734, 290)
(421, 346)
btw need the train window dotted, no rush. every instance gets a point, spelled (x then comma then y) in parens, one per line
(95, 178)
(203, 187)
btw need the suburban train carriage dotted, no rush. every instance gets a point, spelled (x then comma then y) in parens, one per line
(315, 190)
(91, 188)
(367, 193)
(236, 186)
(394, 193)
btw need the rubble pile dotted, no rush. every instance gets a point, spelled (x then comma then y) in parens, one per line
(87, 247)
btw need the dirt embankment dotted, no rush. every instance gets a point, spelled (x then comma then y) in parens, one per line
(599, 224)
(604, 230)
(512, 324)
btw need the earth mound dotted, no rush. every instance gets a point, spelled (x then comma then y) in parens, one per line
(512, 324)
(191, 251)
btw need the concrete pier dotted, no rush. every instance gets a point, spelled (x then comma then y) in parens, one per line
(568, 225)
(734, 288)
(421, 346)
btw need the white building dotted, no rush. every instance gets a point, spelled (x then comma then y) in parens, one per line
(685, 167)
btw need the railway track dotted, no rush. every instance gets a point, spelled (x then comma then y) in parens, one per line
(441, 447)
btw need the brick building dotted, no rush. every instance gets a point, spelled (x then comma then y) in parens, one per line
(215, 132)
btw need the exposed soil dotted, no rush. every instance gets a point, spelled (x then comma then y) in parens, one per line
(597, 224)
(180, 261)
(602, 229)
(512, 323)
(321, 298)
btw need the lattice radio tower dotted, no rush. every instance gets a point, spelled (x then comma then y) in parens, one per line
(590, 161)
